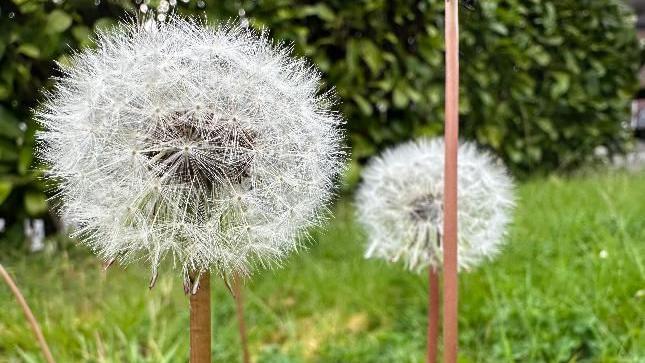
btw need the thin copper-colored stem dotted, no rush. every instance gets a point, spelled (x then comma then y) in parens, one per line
(450, 296)
(433, 315)
(29, 315)
(200, 321)
(238, 295)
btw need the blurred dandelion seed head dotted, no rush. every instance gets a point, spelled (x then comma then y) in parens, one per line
(212, 146)
(400, 204)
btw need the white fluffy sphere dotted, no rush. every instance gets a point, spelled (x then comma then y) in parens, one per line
(400, 204)
(210, 145)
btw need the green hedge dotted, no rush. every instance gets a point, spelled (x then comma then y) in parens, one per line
(543, 82)
(34, 34)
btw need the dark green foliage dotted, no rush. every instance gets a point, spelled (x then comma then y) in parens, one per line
(546, 82)
(543, 82)
(33, 34)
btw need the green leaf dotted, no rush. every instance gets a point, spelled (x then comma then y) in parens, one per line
(25, 158)
(35, 203)
(320, 10)
(64, 60)
(561, 86)
(5, 190)
(8, 150)
(57, 22)
(399, 96)
(27, 6)
(83, 35)
(547, 126)
(372, 56)
(534, 153)
(104, 24)
(499, 28)
(9, 124)
(351, 57)
(494, 135)
(539, 54)
(5, 91)
(363, 105)
(28, 49)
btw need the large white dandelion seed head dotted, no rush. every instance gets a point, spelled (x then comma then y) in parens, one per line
(212, 146)
(400, 205)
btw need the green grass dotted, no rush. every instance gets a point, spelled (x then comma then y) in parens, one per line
(550, 297)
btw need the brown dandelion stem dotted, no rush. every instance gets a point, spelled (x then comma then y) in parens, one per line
(238, 295)
(450, 296)
(200, 321)
(29, 315)
(433, 315)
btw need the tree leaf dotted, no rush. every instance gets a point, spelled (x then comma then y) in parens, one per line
(25, 158)
(9, 124)
(365, 107)
(5, 190)
(82, 34)
(30, 50)
(372, 56)
(399, 96)
(57, 22)
(561, 86)
(35, 203)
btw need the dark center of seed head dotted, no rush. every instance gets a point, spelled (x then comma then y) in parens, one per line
(209, 151)
(427, 209)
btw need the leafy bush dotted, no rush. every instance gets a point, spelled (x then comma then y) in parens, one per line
(543, 82)
(32, 36)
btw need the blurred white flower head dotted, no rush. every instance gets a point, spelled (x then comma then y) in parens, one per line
(400, 204)
(209, 145)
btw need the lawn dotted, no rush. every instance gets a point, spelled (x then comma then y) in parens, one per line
(569, 287)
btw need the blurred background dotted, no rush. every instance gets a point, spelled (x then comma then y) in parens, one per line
(553, 87)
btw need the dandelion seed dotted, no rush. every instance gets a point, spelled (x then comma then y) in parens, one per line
(400, 205)
(213, 147)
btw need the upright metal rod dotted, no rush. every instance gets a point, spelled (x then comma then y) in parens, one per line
(200, 321)
(433, 315)
(450, 296)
